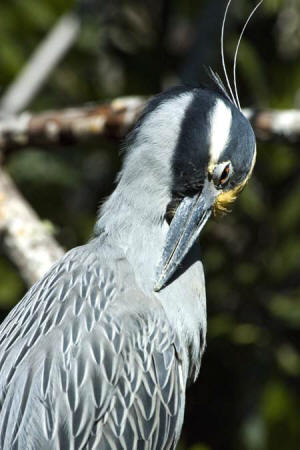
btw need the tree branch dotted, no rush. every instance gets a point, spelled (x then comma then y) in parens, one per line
(29, 244)
(70, 126)
(275, 124)
(113, 119)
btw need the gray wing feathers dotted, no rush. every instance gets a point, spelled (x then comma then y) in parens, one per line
(145, 404)
(76, 375)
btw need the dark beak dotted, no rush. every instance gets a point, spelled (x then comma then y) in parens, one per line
(191, 216)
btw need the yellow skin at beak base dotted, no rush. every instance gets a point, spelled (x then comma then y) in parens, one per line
(225, 199)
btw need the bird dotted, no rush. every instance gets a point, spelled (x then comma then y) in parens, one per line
(99, 352)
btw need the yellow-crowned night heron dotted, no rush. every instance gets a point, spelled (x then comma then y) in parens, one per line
(98, 353)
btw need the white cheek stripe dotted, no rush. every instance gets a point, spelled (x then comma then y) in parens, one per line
(220, 125)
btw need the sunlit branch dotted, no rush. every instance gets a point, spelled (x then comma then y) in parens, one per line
(70, 126)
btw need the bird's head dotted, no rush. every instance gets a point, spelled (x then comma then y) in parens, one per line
(210, 163)
(190, 154)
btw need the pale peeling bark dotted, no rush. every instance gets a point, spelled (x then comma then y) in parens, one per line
(28, 242)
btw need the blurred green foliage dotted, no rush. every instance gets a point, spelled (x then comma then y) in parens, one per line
(248, 393)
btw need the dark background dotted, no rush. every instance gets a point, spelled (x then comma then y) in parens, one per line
(248, 394)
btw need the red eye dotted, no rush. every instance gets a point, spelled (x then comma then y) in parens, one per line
(221, 174)
(225, 174)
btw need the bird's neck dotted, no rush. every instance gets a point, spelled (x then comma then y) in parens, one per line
(136, 225)
(133, 218)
